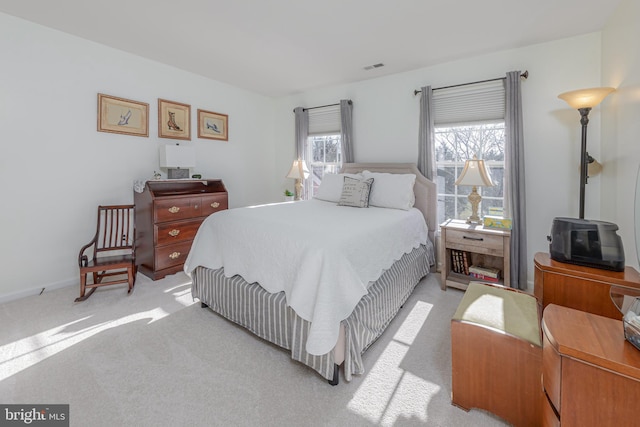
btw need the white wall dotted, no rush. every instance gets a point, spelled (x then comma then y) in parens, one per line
(56, 168)
(621, 123)
(385, 119)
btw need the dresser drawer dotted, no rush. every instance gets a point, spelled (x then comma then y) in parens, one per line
(477, 242)
(175, 232)
(213, 203)
(176, 209)
(168, 256)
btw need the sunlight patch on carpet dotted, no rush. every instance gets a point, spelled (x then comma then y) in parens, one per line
(22, 354)
(390, 393)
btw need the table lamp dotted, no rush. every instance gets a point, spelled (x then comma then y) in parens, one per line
(475, 174)
(299, 172)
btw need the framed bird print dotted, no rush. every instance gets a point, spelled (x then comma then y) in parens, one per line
(213, 125)
(174, 120)
(119, 115)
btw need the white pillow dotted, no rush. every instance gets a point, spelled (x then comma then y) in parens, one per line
(355, 192)
(391, 190)
(331, 186)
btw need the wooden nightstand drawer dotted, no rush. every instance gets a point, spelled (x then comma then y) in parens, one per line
(478, 242)
(175, 232)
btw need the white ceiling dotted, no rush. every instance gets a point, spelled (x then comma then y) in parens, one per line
(281, 47)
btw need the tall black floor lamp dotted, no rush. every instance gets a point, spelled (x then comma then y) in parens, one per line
(584, 100)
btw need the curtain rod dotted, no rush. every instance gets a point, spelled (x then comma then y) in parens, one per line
(524, 75)
(321, 106)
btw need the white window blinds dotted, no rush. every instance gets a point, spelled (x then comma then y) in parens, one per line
(324, 120)
(470, 103)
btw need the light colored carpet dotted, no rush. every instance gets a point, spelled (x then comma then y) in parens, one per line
(156, 358)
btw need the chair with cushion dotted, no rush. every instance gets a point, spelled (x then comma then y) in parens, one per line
(496, 353)
(111, 253)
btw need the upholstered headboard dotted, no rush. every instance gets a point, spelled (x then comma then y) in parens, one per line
(424, 189)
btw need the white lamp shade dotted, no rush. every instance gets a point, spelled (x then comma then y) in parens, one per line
(475, 173)
(177, 156)
(298, 170)
(586, 98)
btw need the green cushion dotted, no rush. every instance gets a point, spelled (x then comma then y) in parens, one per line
(515, 313)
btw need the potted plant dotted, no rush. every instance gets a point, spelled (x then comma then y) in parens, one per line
(288, 196)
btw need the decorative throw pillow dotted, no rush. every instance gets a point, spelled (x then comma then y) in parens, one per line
(355, 192)
(330, 188)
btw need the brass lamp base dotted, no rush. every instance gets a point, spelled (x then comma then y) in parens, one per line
(474, 199)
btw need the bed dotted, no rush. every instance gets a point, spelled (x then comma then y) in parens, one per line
(327, 284)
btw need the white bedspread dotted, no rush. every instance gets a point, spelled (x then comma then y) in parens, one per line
(323, 256)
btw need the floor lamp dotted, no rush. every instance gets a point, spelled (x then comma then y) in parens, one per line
(584, 100)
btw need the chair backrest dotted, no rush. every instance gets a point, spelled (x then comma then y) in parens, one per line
(116, 228)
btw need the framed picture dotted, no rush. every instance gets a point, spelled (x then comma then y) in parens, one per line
(213, 125)
(119, 115)
(174, 120)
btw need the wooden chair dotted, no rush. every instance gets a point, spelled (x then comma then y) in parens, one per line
(111, 252)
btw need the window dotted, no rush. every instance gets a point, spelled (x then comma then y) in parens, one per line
(468, 122)
(323, 152)
(324, 155)
(454, 145)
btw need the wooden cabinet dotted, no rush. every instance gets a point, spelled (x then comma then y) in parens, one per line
(168, 215)
(590, 373)
(487, 247)
(579, 287)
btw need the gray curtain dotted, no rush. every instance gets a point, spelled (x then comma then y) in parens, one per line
(426, 143)
(302, 130)
(346, 132)
(514, 180)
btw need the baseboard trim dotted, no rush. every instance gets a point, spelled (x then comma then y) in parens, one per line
(39, 290)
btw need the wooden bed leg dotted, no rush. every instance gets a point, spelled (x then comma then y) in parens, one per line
(203, 305)
(336, 375)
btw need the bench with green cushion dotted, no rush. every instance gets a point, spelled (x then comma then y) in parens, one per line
(496, 350)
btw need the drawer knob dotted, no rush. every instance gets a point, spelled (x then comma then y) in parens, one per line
(174, 232)
(174, 209)
(479, 239)
(215, 204)
(174, 255)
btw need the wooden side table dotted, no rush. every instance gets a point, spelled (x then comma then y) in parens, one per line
(579, 287)
(487, 247)
(590, 373)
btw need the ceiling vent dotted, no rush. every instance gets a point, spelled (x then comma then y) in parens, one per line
(371, 67)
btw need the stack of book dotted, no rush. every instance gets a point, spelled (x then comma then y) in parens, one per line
(460, 262)
(488, 274)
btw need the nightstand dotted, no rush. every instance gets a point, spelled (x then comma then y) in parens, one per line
(483, 246)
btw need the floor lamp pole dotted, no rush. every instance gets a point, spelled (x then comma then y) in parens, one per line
(584, 120)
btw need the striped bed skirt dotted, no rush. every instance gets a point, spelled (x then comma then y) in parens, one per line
(268, 316)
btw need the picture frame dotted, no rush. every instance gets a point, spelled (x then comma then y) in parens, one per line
(124, 116)
(212, 125)
(174, 120)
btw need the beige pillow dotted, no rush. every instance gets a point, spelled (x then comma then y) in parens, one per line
(355, 192)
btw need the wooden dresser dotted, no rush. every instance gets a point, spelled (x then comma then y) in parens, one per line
(590, 373)
(582, 288)
(168, 215)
